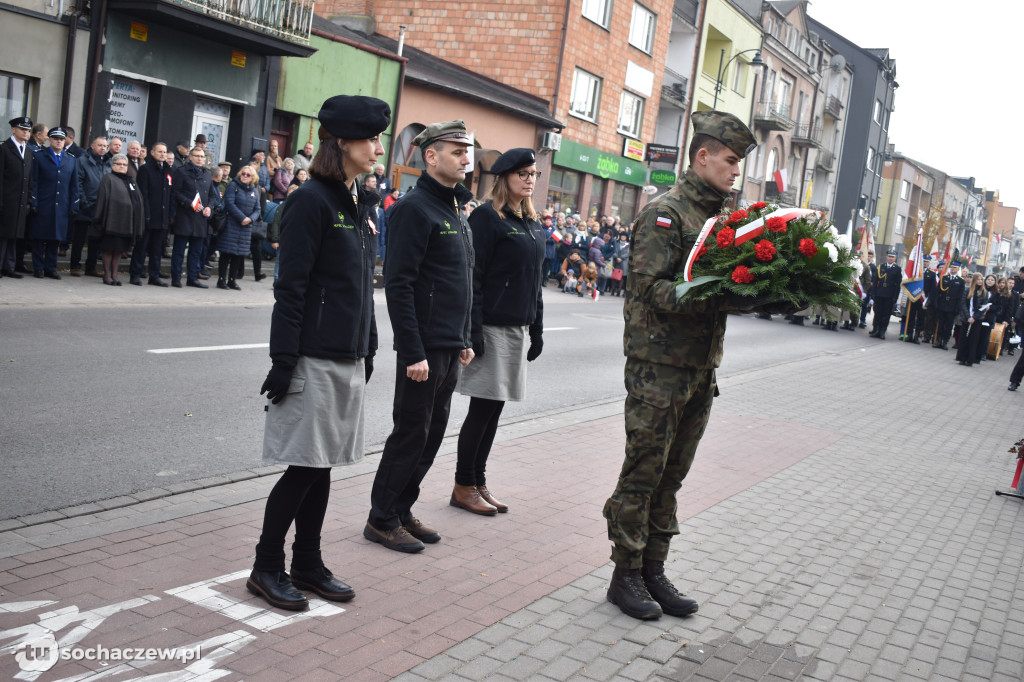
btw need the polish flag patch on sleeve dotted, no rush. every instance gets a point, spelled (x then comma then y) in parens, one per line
(663, 221)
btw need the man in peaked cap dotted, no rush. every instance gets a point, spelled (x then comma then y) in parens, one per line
(949, 293)
(672, 348)
(16, 158)
(885, 289)
(428, 285)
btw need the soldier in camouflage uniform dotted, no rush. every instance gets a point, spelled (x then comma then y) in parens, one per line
(672, 349)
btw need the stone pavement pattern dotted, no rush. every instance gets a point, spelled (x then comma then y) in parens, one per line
(826, 531)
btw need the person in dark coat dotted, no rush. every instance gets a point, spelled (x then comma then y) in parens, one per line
(242, 203)
(508, 319)
(55, 200)
(428, 282)
(989, 318)
(973, 309)
(15, 192)
(92, 166)
(323, 336)
(119, 218)
(948, 296)
(931, 287)
(155, 185)
(884, 291)
(70, 147)
(194, 192)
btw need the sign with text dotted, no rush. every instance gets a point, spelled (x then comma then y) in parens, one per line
(602, 164)
(237, 58)
(126, 109)
(633, 149)
(663, 178)
(139, 31)
(662, 153)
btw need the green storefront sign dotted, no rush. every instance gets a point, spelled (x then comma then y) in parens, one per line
(663, 178)
(602, 164)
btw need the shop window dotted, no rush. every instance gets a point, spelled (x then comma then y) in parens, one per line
(624, 202)
(564, 190)
(641, 28)
(16, 93)
(631, 114)
(597, 189)
(598, 11)
(586, 95)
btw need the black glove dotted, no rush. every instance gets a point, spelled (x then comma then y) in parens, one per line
(478, 346)
(536, 346)
(276, 385)
(368, 366)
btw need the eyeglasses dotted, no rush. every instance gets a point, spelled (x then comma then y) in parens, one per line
(526, 175)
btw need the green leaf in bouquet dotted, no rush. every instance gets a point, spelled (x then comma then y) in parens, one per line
(842, 273)
(683, 287)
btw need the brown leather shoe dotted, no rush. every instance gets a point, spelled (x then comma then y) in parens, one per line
(490, 499)
(468, 497)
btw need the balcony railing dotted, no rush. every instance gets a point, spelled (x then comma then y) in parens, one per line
(287, 19)
(772, 116)
(674, 87)
(833, 107)
(806, 133)
(686, 10)
(826, 160)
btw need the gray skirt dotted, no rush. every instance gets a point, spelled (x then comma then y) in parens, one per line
(320, 421)
(501, 373)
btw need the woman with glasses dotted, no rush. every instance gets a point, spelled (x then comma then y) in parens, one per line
(242, 203)
(507, 319)
(120, 217)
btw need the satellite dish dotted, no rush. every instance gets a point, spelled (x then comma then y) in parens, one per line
(838, 62)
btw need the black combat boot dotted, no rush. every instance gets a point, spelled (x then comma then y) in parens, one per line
(664, 592)
(627, 591)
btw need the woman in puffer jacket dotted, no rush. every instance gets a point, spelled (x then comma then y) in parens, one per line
(242, 202)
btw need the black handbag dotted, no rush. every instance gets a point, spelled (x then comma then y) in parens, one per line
(259, 229)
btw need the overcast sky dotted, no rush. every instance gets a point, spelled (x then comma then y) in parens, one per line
(959, 107)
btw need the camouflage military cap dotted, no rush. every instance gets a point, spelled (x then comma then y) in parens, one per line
(446, 131)
(726, 128)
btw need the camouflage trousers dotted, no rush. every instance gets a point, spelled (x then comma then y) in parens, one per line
(667, 410)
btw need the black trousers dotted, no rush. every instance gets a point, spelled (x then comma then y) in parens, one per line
(945, 325)
(300, 495)
(420, 414)
(151, 245)
(931, 322)
(883, 311)
(915, 319)
(80, 239)
(1018, 370)
(476, 439)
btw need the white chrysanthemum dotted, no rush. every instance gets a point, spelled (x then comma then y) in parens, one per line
(843, 242)
(857, 265)
(833, 252)
(834, 231)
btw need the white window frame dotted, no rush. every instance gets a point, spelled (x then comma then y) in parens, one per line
(592, 84)
(598, 11)
(871, 159)
(900, 223)
(877, 114)
(641, 28)
(631, 112)
(904, 189)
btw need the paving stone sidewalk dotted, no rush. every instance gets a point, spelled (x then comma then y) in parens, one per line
(839, 523)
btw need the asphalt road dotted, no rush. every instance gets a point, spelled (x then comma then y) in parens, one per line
(90, 412)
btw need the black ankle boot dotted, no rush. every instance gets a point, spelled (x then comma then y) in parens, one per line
(276, 587)
(664, 592)
(627, 591)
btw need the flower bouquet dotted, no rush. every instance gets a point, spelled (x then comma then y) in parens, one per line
(775, 254)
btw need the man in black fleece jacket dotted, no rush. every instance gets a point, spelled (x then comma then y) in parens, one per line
(429, 289)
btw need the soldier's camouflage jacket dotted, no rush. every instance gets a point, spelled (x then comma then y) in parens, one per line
(659, 329)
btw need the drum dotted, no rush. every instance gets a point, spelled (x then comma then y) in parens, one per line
(995, 341)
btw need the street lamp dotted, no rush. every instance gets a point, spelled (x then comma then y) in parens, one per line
(756, 61)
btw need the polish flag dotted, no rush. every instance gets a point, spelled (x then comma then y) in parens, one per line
(557, 237)
(998, 238)
(596, 294)
(196, 203)
(781, 179)
(934, 251)
(913, 269)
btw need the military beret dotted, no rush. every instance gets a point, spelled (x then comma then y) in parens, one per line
(23, 122)
(513, 160)
(726, 128)
(58, 133)
(355, 117)
(445, 131)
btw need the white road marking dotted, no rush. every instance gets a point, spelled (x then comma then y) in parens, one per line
(559, 329)
(196, 349)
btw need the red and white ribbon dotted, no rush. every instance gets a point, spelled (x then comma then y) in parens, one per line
(743, 234)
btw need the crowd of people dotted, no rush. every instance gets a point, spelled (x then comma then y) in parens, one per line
(982, 316)
(115, 200)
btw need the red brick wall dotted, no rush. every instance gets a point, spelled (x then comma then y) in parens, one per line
(347, 7)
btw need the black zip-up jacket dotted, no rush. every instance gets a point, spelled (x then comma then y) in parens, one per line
(509, 254)
(324, 291)
(428, 275)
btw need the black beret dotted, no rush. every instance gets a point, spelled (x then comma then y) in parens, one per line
(513, 160)
(355, 117)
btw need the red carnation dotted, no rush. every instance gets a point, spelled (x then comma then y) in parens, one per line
(776, 224)
(758, 206)
(764, 250)
(741, 275)
(725, 237)
(738, 216)
(808, 247)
